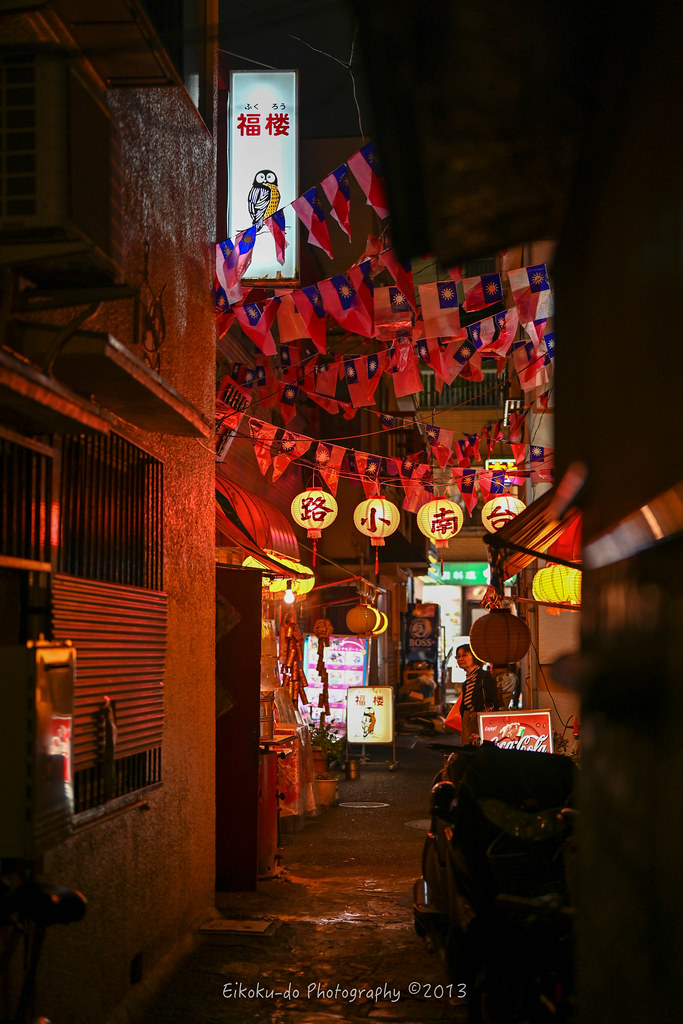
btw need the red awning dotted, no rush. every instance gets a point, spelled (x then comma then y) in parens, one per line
(533, 532)
(253, 517)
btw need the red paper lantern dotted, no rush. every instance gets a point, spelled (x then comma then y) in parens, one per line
(498, 511)
(500, 637)
(314, 510)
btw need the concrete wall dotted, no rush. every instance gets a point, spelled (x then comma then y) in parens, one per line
(148, 871)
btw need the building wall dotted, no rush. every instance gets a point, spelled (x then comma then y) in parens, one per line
(148, 870)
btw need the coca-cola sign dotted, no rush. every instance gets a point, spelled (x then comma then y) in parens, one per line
(518, 730)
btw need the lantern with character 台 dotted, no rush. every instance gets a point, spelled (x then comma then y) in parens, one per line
(498, 511)
(377, 518)
(314, 509)
(440, 519)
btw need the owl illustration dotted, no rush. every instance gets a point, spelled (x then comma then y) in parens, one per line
(264, 197)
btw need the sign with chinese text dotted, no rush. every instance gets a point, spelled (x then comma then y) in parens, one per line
(263, 166)
(370, 714)
(518, 730)
(466, 574)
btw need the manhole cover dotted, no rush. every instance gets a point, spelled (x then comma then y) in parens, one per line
(423, 823)
(355, 804)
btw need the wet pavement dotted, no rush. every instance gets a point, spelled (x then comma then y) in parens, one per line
(330, 937)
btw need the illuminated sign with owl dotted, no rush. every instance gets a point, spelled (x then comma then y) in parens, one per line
(263, 177)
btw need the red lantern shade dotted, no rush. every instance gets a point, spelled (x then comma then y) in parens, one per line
(500, 637)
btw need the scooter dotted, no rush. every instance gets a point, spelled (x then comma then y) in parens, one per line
(496, 898)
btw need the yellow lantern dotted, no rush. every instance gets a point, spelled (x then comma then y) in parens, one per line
(384, 622)
(377, 518)
(498, 511)
(314, 510)
(279, 584)
(363, 619)
(557, 584)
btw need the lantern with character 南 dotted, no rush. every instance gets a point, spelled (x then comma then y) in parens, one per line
(439, 520)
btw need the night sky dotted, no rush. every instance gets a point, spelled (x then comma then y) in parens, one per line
(256, 34)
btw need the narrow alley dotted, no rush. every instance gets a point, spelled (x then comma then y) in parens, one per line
(331, 936)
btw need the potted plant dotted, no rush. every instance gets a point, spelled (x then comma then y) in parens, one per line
(329, 745)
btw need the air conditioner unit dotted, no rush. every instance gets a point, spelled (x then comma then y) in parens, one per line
(60, 172)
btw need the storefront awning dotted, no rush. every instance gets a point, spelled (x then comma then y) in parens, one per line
(530, 534)
(252, 517)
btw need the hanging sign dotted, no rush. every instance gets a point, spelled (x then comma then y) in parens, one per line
(370, 714)
(518, 730)
(263, 175)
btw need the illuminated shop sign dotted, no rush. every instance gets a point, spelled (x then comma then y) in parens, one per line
(370, 714)
(464, 574)
(518, 730)
(263, 166)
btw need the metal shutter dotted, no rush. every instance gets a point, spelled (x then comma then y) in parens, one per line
(119, 634)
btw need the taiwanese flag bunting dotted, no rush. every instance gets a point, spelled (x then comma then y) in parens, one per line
(405, 370)
(531, 292)
(463, 453)
(290, 323)
(491, 482)
(309, 303)
(243, 375)
(310, 212)
(224, 315)
(368, 467)
(536, 330)
(464, 480)
(440, 310)
(336, 188)
(480, 292)
(320, 384)
(498, 332)
(518, 452)
(328, 461)
(362, 375)
(393, 313)
(226, 427)
(292, 446)
(441, 441)
(276, 226)
(256, 324)
(387, 421)
(429, 351)
(517, 424)
(473, 446)
(413, 475)
(232, 262)
(402, 274)
(450, 348)
(262, 434)
(529, 365)
(288, 397)
(366, 170)
(360, 277)
(342, 303)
